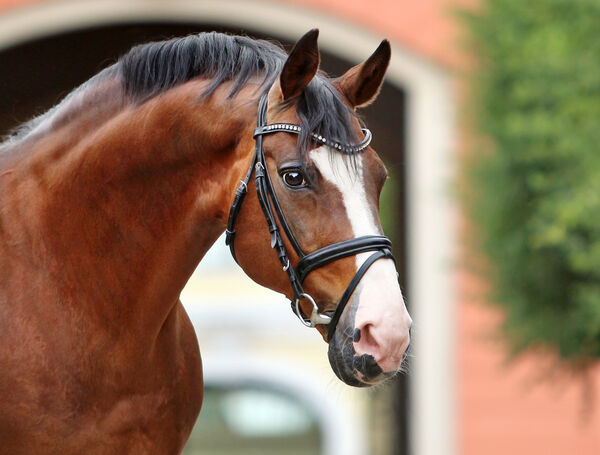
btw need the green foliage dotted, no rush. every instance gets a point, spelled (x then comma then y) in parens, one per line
(536, 196)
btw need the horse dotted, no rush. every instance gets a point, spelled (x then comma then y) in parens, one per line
(109, 201)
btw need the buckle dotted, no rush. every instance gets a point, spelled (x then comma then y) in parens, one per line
(316, 318)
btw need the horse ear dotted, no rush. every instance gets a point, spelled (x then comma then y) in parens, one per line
(361, 83)
(301, 65)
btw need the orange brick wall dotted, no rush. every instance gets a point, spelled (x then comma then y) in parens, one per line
(523, 407)
(425, 26)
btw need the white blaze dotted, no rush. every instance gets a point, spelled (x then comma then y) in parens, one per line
(381, 306)
(332, 167)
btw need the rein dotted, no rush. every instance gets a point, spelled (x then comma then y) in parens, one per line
(271, 208)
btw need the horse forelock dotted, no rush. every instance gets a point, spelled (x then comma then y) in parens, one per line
(321, 110)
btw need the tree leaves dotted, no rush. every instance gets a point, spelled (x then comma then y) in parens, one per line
(536, 197)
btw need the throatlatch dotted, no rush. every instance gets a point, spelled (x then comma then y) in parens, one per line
(271, 208)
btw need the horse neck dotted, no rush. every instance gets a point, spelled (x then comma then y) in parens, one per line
(124, 213)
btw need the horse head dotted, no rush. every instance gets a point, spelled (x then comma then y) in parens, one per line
(319, 192)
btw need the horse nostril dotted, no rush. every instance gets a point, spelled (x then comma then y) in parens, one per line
(365, 342)
(367, 366)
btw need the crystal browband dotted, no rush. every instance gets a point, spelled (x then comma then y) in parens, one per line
(297, 129)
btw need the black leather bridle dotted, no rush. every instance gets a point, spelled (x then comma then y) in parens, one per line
(271, 208)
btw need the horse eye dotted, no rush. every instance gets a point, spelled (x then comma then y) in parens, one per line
(294, 179)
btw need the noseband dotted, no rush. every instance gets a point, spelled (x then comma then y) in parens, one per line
(271, 208)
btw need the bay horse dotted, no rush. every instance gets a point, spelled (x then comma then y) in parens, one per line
(109, 201)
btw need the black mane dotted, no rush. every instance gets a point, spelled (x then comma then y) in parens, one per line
(150, 69)
(153, 68)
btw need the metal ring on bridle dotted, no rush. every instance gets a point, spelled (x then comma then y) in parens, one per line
(315, 317)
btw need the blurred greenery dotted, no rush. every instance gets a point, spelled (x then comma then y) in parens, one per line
(388, 206)
(535, 193)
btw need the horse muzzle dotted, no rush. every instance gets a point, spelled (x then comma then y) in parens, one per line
(373, 332)
(361, 369)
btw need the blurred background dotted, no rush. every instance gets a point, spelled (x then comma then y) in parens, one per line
(488, 123)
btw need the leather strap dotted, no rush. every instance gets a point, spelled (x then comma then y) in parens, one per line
(240, 194)
(340, 250)
(351, 287)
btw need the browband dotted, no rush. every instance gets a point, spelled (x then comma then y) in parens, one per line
(297, 129)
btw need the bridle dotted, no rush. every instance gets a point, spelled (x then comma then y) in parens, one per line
(271, 208)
